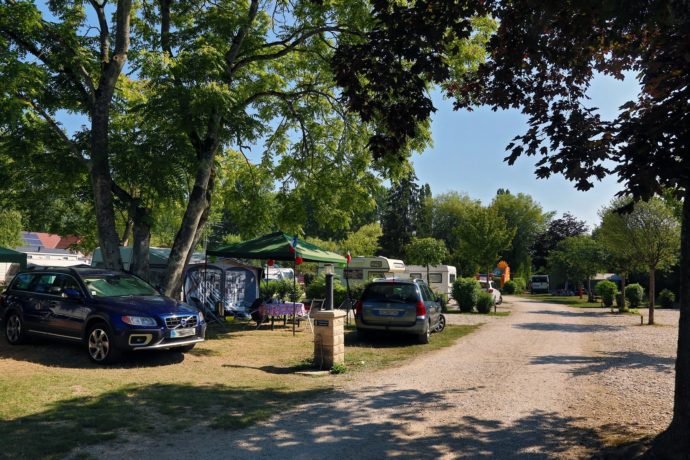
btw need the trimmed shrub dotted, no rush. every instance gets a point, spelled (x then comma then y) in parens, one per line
(485, 302)
(268, 290)
(288, 290)
(520, 285)
(317, 290)
(633, 294)
(607, 290)
(466, 292)
(510, 287)
(666, 298)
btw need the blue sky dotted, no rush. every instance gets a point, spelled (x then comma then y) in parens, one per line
(469, 147)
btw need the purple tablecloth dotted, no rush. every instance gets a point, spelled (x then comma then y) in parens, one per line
(282, 309)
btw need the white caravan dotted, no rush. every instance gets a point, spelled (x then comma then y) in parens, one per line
(364, 269)
(441, 277)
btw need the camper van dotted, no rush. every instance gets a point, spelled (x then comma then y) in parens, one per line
(364, 269)
(441, 277)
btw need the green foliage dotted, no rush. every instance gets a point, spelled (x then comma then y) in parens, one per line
(529, 220)
(576, 258)
(363, 242)
(484, 237)
(10, 228)
(426, 251)
(339, 368)
(557, 231)
(520, 284)
(317, 290)
(510, 287)
(667, 298)
(607, 290)
(400, 216)
(466, 292)
(449, 212)
(268, 290)
(634, 294)
(485, 302)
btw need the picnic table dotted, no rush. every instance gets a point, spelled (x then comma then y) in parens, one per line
(282, 310)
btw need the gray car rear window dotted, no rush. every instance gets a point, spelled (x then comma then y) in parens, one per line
(392, 292)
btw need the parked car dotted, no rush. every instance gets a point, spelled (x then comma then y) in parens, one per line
(109, 311)
(488, 286)
(402, 306)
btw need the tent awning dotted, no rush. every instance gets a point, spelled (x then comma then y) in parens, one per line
(10, 256)
(276, 246)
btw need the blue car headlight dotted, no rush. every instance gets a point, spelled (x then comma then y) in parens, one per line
(139, 320)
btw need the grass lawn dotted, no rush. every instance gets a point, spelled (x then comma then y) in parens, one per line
(573, 301)
(53, 398)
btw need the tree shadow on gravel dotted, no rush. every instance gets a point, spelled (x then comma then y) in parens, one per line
(572, 314)
(565, 327)
(588, 365)
(400, 429)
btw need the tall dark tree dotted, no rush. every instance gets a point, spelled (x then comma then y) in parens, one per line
(557, 231)
(400, 216)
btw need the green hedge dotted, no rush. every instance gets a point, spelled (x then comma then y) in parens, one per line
(667, 298)
(634, 294)
(485, 302)
(466, 292)
(607, 290)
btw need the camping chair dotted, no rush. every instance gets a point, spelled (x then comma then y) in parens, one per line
(316, 304)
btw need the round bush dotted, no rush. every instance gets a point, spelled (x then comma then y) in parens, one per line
(633, 294)
(465, 292)
(520, 285)
(607, 290)
(510, 287)
(485, 302)
(666, 298)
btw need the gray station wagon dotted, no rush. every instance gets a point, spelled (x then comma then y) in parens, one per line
(401, 306)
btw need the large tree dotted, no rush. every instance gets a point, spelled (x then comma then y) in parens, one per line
(427, 252)
(529, 220)
(577, 259)
(544, 56)
(484, 238)
(557, 230)
(451, 211)
(399, 221)
(649, 232)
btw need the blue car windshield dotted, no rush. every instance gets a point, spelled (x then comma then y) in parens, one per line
(118, 286)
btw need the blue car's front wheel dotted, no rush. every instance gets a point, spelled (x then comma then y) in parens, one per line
(101, 346)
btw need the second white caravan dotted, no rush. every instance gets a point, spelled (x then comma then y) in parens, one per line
(441, 277)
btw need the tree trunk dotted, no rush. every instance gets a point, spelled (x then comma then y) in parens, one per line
(124, 241)
(185, 238)
(142, 239)
(652, 276)
(101, 180)
(675, 442)
(427, 275)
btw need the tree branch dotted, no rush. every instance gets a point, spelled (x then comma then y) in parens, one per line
(237, 41)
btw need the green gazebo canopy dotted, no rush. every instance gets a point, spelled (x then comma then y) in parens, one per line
(10, 256)
(276, 246)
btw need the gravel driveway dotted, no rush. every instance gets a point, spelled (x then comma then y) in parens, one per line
(548, 381)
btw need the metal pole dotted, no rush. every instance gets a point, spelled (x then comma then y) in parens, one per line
(329, 291)
(294, 295)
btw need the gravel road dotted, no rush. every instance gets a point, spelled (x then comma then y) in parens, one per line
(548, 381)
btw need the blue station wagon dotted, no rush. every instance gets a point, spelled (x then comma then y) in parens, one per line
(109, 311)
